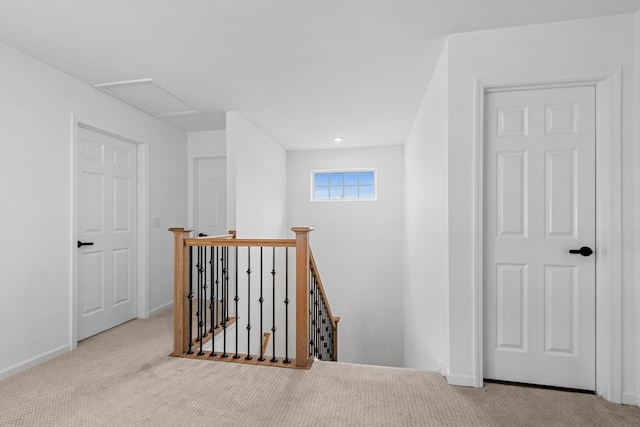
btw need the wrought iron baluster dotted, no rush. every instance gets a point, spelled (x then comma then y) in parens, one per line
(216, 306)
(286, 306)
(219, 278)
(273, 327)
(314, 307)
(223, 301)
(198, 291)
(204, 292)
(190, 297)
(323, 322)
(236, 298)
(215, 313)
(248, 356)
(226, 280)
(225, 296)
(311, 325)
(212, 267)
(261, 300)
(327, 333)
(331, 332)
(317, 321)
(200, 300)
(215, 270)
(320, 326)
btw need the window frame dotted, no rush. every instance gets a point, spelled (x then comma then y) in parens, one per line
(312, 182)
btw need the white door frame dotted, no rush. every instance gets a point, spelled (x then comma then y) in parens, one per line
(608, 83)
(142, 203)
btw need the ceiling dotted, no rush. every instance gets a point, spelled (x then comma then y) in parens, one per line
(303, 71)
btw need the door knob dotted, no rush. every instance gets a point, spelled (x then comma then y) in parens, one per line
(202, 235)
(584, 251)
(84, 243)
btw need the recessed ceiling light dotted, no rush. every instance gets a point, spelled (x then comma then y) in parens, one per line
(337, 139)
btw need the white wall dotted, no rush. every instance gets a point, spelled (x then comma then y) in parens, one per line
(256, 181)
(358, 248)
(36, 103)
(167, 188)
(211, 143)
(425, 229)
(575, 45)
(257, 208)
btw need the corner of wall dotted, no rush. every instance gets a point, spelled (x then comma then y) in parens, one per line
(256, 179)
(426, 211)
(231, 170)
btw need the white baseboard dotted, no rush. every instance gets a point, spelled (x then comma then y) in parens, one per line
(444, 368)
(630, 399)
(162, 307)
(463, 380)
(23, 366)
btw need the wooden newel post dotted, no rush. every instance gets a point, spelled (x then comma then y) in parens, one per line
(180, 292)
(303, 354)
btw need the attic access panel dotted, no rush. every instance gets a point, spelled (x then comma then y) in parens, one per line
(150, 97)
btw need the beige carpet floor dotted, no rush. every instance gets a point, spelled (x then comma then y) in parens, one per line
(124, 377)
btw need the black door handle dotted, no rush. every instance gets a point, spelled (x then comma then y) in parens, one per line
(202, 235)
(84, 243)
(584, 251)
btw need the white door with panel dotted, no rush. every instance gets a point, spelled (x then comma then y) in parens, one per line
(539, 204)
(211, 196)
(107, 232)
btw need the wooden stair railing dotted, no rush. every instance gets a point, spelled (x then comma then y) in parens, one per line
(207, 295)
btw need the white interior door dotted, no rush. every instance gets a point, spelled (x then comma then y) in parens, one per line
(106, 228)
(210, 200)
(539, 203)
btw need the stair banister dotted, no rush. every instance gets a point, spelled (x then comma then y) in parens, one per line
(188, 318)
(180, 291)
(302, 296)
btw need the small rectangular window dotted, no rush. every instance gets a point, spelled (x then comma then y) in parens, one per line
(347, 184)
